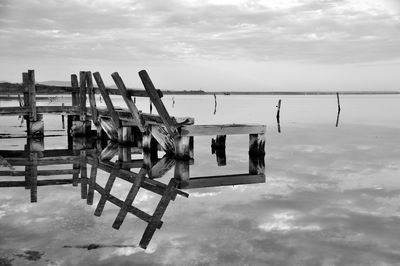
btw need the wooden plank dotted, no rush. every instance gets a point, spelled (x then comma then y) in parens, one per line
(39, 172)
(169, 123)
(47, 153)
(92, 182)
(107, 99)
(50, 182)
(82, 95)
(75, 91)
(165, 140)
(131, 92)
(161, 167)
(182, 148)
(170, 192)
(32, 95)
(128, 100)
(83, 170)
(26, 100)
(40, 109)
(232, 129)
(44, 161)
(224, 180)
(107, 189)
(149, 184)
(151, 119)
(92, 99)
(129, 199)
(131, 209)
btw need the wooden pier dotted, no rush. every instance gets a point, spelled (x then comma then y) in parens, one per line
(115, 161)
(126, 126)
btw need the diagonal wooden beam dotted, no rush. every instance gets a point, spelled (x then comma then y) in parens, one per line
(169, 123)
(110, 107)
(129, 198)
(128, 100)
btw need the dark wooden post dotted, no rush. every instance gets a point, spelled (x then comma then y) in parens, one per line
(26, 99)
(278, 115)
(169, 123)
(218, 147)
(75, 103)
(107, 189)
(33, 158)
(182, 172)
(339, 109)
(169, 194)
(92, 180)
(112, 131)
(126, 134)
(84, 181)
(83, 126)
(149, 143)
(218, 142)
(129, 198)
(182, 148)
(92, 101)
(257, 144)
(256, 165)
(35, 126)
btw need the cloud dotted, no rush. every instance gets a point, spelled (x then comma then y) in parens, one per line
(321, 31)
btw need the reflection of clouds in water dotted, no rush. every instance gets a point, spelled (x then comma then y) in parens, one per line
(285, 221)
(206, 194)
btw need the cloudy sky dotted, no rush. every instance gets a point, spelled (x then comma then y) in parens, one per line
(209, 45)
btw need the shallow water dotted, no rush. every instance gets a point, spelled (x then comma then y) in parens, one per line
(331, 195)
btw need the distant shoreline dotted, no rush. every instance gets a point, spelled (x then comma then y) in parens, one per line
(281, 92)
(301, 93)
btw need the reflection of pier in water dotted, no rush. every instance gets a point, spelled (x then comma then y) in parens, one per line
(140, 173)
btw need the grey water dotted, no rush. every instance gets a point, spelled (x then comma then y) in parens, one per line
(331, 194)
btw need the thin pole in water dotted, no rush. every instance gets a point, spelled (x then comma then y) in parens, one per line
(278, 115)
(339, 109)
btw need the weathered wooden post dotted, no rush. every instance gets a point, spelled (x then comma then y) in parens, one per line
(92, 102)
(278, 115)
(218, 142)
(136, 184)
(215, 103)
(149, 143)
(182, 172)
(256, 165)
(125, 133)
(107, 189)
(33, 159)
(92, 180)
(339, 109)
(83, 126)
(169, 194)
(83, 170)
(257, 144)
(75, 103)
(34, 122)
(111, 125)
(183, 149)
(218, 147)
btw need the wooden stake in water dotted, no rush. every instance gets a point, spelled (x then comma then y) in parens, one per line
(278, 115)
(338, 112)
(215, 103)
(62, 118)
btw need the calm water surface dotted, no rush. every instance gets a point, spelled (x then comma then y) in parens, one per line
(331, 194)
